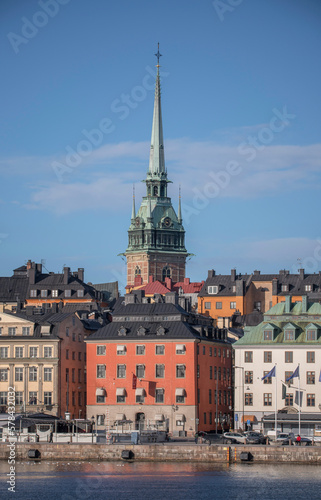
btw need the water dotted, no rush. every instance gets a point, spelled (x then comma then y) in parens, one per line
(152, 481)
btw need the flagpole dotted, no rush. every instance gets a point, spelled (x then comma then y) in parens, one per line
(299, 403)
(276, 404)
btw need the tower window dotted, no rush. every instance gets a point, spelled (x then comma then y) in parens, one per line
(166, 273)
(155, 191)
(162, 193)
(137, 271)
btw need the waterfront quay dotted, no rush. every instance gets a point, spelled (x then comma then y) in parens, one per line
(167, 452)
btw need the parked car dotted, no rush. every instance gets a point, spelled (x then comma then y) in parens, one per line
(285, 438)
(253, 437)
(208, 438)
(234, 437)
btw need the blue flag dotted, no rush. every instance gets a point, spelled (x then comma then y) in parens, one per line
(295, 374)
(270, 374)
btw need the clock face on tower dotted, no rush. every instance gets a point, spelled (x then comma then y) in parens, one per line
(167, 222)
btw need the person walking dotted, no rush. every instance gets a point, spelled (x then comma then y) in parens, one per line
(298, 440)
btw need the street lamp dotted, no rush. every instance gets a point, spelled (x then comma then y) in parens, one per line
(241, 368)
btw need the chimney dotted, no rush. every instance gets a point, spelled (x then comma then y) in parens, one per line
(233, 274)
(287, 309)
(138, 281)
(81, 273)
(139, 294)
(186, 281)
(239, 289)
(275, 283)
(211, 273)
(39, 268)
(257, 273)
(150, 279)
(301, 271)
(32, 274)
(129, 298)
(168, 283)
(28, 265)
(304, 304)
(66, 275)
(171, 298)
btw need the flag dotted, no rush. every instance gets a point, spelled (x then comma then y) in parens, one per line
(270, 374)
(283, 391)
(297, 398)
(152, 388)
(294, 374)
(134, 382)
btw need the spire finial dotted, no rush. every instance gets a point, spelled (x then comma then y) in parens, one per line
(134, 208)
(179, 215)
(158, 55)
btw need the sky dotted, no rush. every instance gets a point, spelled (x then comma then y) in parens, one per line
(241, 100)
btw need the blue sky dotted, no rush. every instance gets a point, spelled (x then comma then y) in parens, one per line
(241, 115)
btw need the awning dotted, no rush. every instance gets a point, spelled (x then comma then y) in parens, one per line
(159, 417)
(121, 348)
(180, 417)
(100, 391)
(180, 347)
(140, 391)
(251, 418)
(120, 391)
(120, 416)
(179, 392)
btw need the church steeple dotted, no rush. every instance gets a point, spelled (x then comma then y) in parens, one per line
(133, 209)
(156, 157)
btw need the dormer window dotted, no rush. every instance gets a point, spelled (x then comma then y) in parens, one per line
(289, 332)
(212, 290)
(122, 331)
(141, 331)
(44, 293)
(160, 330)
(268, 332)
(308, 288)
(233, 288)
(311, 333)
(54, 293)
(284, 288)
(80, 293)
(33, 293)
(67, 293)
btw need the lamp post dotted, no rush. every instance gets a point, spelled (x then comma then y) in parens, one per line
(241, 368)
(174, 408)
(92, 428)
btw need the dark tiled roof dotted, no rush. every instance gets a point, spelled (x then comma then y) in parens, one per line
(13, 288)
(225, 283)
(149, 309)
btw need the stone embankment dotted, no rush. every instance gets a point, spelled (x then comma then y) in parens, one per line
(167, 452)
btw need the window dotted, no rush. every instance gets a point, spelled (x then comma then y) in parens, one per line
(160, 371)
(79, 375)
(100, 399)
(101, 350)
(268, 335)
(267, 399)
(12, 330)
(289, 335)
(211, 351)
(32, 374)
(3, 398)
(19, 352)
(79, 356)
(180, 349)
(33, 352)
(44, 293)
(207, 305)
(180, 371)
(19, 398)
(310, 399)
(67, 331)
(47, 374)
(289, 400)
(210, 422)
(80, 293)
(211, 372)
(33, 293)
(248, 356)
(214, 352)
(101, 371)
(267, 357)
(288, 356)
(210, 396)
(308, 288)
(219, 352)
(3, 374)
(140, 398)
(74, 337)
(311, 335)
(166, 272)
(160, 349)
(18, 375)
(219, 373)
(249, 377)
(54, 293)
(140, 349)
(73, 321)
(219, 397)
(212, 290)
(204, 350)
(100, 419)
(79, 399)
(215, 373)
(67, 293)
(67, 374)
(121, 371)
(120, 398)
(284, 288)
(248, 399)
(73, 355)
(140, 371)
(33, 397)
(180, 398)
(159, 396)
(232, 305)
(47, 352)
(267, 380)
(310, 357)
(310, 377)
(198, 371)
(26, 330)
(218, 305)
(67, 353)
(204, 418)
(47, 398)
(79, 337)
(3, 352)
(257, 306)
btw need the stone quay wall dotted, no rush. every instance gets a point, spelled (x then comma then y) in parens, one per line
(188, 452)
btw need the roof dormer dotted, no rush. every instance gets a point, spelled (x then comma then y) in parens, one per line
(312, 332)
(269, 332)
(290, 331)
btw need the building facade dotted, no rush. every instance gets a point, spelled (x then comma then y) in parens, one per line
(158, 366)
(156, 236)
(289, 337)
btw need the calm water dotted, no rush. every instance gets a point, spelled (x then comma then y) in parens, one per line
(131, 481)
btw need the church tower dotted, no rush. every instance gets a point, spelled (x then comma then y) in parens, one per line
(156, 236)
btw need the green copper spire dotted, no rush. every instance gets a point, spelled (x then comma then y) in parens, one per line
(156, 158)
(134, 208)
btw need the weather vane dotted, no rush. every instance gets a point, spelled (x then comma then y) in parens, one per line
(158, 55)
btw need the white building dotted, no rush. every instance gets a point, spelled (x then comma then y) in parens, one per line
(288, 337)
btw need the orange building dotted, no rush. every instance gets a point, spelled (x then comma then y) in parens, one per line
(158, 366)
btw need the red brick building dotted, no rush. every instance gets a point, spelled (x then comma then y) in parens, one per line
(159, 366)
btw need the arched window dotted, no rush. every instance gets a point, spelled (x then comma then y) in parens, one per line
(162, 191)
(155, 191)
(137, 271)
(166, 272)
